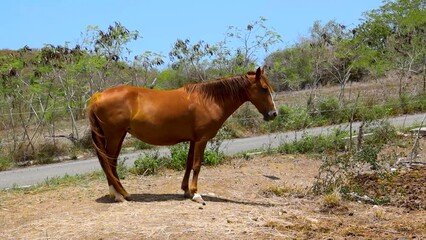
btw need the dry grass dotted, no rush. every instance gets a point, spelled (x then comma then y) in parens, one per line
(375, 91)
(237, 208)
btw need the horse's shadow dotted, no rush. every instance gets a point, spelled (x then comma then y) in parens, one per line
(147, 197)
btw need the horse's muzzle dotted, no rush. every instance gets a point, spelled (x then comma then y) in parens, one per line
(270, 115)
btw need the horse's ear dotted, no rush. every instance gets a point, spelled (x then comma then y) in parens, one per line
(259, 73)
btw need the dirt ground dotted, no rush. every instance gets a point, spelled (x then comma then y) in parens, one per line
(258, 198)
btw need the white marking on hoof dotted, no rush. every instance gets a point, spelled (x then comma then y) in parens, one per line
(197, 198)
(114, 193)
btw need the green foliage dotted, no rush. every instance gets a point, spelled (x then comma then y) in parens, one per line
(332, 173)
(46, 152)
(370, 113)
(382, 133)
(368, 154)
(170, 79)
(179, 155)
(5, 163)
(212, 155)
(394, 35)
(112, 42)
(291, 68)
(315, 144)
(294, 118)
(213, 158)
(147, 164)
(247, 117)
(191, 59)
(254, 37)
(122, 170)
(390, 37)
(330, 109)
(337, 168)
(140, 145)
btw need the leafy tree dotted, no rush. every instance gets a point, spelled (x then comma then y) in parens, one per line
(111, 43)
(256, 36)
(394, 36)
(144, 68)
(191, 59)
(290, 68)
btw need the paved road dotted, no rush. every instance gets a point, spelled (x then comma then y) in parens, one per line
(36, 174)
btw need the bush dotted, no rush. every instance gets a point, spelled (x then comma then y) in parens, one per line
(85, 142)
(212, 155)
(140, 145)
(5, 163)
(332, 173)
(47, 151)
(148, 164)
(281, 121)
(213, 158)
(179, 155)
(247, 118)
(382, 133)
(368, 154)
(122, 170)
(330, 110)
(315, 144)
(370, 113)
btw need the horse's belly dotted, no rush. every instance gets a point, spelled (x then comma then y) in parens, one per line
(161, 136)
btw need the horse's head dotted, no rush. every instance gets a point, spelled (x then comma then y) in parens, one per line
(260, 95)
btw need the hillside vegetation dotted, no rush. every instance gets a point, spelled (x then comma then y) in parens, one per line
(44, 92)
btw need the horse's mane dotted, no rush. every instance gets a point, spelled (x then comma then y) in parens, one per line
(221, 89)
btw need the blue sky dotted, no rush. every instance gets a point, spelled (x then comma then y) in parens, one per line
(160, 23)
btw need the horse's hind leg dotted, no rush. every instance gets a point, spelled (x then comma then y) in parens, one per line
(114, 141)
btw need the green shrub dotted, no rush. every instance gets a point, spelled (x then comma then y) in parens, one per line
(45, 153)
(247, 117)
(329, 109)
(296, 118)
(140, 145)
(85, 142)
(147, 164)
(419, 102)
(179, 155)
(315, 144)
(332, 173)
(368, 154)
(122, 170)
(213, 158)
(281, 121)
(370, 113)
(382, 133)
(5, 163)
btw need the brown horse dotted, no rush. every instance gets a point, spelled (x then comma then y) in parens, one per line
(192, 113)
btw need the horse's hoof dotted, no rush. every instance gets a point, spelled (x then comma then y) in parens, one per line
(120, 198)
(187, 195)
(197, 198)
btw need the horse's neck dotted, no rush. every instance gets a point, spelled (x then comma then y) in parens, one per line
(230, 106)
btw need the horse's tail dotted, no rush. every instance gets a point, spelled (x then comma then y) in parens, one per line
(99, 143)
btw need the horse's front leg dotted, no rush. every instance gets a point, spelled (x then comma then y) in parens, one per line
(199, 148)
(189, 162)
